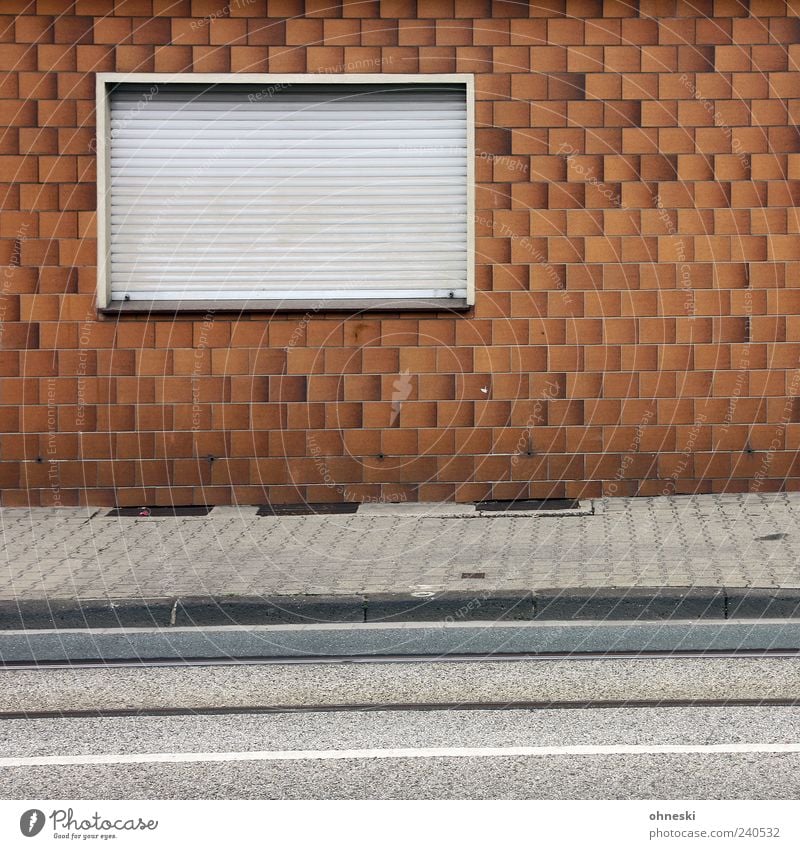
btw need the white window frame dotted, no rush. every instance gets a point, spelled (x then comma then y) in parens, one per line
(104, 302)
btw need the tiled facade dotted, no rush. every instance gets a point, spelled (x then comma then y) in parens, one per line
(637, 325)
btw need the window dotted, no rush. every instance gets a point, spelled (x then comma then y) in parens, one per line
(309, 191)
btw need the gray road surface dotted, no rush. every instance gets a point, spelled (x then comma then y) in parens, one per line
(381, 684)
(346, 753)
(641, 774)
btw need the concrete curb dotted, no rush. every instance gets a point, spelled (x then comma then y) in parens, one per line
(405, 639)
(554, 605)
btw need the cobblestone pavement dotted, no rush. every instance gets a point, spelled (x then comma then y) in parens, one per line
(709, 540)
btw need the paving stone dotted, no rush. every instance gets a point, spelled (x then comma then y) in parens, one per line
(680, 541)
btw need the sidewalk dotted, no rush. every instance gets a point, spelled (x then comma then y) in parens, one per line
(390, 559)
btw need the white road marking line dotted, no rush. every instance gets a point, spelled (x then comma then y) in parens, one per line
(382, 754)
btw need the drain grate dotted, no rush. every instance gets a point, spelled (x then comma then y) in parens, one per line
(528, 504)
(476, 576)
(307, 509)
(156, 512)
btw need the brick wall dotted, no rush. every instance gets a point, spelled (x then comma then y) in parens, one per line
(637, 326)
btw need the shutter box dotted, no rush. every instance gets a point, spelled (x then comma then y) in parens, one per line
(264, 192)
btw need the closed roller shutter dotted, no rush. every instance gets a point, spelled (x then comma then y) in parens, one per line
(286, 192)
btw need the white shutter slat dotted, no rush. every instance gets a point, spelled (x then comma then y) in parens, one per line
(337, 190)
(395, 292)
(334, 230)
(285, 206)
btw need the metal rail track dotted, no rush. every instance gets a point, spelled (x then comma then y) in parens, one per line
(398, 658)
(586, 704)
(394, 706)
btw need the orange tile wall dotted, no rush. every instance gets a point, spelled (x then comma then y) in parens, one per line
(637, 325)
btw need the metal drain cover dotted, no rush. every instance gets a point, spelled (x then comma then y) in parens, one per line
(307, 509)
(156, 512)
(528, 504)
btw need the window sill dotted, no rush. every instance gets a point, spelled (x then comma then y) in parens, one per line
(313, 305)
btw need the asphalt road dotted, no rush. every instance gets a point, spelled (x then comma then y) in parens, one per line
(218, 743)
(612, 752)
(575, 679)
